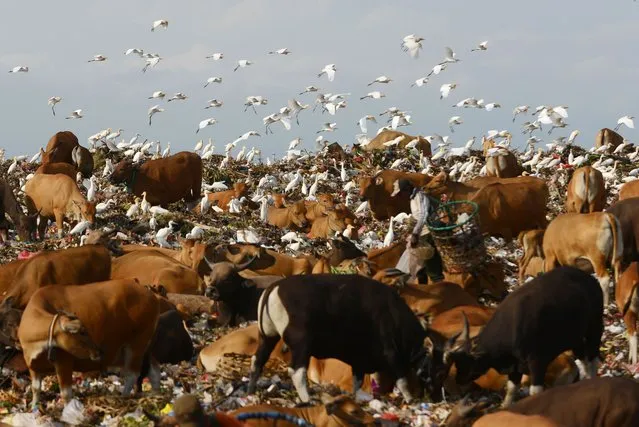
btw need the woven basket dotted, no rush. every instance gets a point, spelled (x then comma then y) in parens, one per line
(455, 230)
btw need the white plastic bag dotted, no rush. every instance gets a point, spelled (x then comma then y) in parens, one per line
(73, 413)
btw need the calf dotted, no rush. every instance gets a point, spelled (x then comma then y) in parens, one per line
(112, 325)
(586, 191)
(348, 317)
(292, 216)
(602, 402)
(327, 226)
(58, 168)
(558, 311)
(236, 295)
(165, 181)
(334, 412)
(318, 208)
(54, 197)
(221, 199)
(628, 305)
(25, 224)
(626, 211)
(532, 242)
(596, 237)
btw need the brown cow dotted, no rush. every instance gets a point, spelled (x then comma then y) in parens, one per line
(112, 325)
(504, 209)
(502, 163)
(626, 212)
(340, 411)
(532, 242)
(60, 147)
(327, 226)
(155, 268)
(629, 190)
(387, 257)
(608, 137)
(377, 190)
(54, 197)
(586, 191)
(267, 262)
(165, 180)
(7, 275)
(292, 216)
(319, 208)
(595, 237)
(377, 143)
(191, 254)
(83, 160)
(60, 167)
(25, 224)
(221, 199)
(79, 265)
(279, 200)
(628, 305)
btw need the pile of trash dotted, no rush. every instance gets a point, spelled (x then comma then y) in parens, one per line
(97, 399)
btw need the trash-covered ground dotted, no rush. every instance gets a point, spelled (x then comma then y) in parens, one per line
(98, 399)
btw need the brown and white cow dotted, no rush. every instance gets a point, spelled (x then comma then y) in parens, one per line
(595, 237)
(586, 191)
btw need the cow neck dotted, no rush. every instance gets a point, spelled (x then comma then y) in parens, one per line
(131, 183)
(50, 338)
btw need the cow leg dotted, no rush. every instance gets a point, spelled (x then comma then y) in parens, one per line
(264, 350)
(300, 358)
(64, 372)
(358, 380)
(36, 387)
(549, 263)
(59, 218)
(514, 380)
(42, 227)
(155, 375)
(601, 273)
(630, 319)
(537, 375)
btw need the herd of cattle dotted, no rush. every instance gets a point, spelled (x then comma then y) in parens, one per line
(126, 307)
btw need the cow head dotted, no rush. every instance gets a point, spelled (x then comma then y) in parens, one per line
(87, 210)
(346, 410)
(237, 253)
(26, 226)
(74, 338)
(392, 277)
(9, 322)
(225, 282)
(241, 189)
(342, 248)
(326, 200)
(122, 171)
(297, 214)
(463, 414)
(368, 185)
(463, 351)
(437, 185)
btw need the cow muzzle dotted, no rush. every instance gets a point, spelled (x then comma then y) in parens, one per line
(96, 355)
(213, 293)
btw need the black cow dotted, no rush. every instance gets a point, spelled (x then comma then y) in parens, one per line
(558, 311)
(357, 320)
(237, 296)
(171, 342)
(343, 248)
(627, 212)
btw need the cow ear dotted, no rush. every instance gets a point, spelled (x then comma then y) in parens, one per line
(71, 325)
(379, 180)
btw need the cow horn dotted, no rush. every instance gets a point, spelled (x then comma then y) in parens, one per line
(243, 266)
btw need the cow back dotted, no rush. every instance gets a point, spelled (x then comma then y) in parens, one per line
(60, 147)
(54, 168)
(627, 212)
(628, 190)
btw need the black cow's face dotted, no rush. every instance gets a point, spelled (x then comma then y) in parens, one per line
(469, 367)
(9, 323)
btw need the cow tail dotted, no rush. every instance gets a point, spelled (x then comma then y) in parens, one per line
(617, 244)
(264, 304)
(584, 208)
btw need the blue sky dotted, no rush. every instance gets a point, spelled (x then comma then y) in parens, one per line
(579, 54)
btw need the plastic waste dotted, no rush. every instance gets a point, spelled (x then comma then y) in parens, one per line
(73, 413)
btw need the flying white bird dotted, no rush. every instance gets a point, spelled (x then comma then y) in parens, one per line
(328, 127)
(363, 120)
(381, 79)
(153, 110)
(437, 69)
(160, 23)
(450, 56)
(373, 95)
(627, 121)
(139, 52)
(329, 70)
(455, 120)
(420, 82)
(213, 103)
(294, 143)
(309, 89)
(204, 123)
(151, 62)
(491, 106)
(53, 101)
(19, 69)
(243, 63)
(76, 114)
(412, 44)
(213, 80)
(573, 136)
(481, 46)
(445, 89)
(178, 96)
(158, 94)
(216, 56)
(522, 109)
(274, 118)
(98, 58)
(283, 51)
